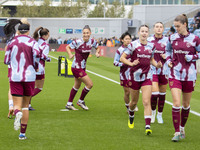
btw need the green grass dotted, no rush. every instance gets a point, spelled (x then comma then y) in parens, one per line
(103, 127)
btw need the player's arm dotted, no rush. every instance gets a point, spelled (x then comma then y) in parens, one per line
(68, 49)
(7, 55)
(168, 53)
(127, 62)
(196, 56)
(45, 54)
(97, 52)
(154, 63)
(36, 55)
(117, 59)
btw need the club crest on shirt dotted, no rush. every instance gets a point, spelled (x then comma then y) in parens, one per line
(149, 50)
(176, 43)
(162, 45)
(188, 45)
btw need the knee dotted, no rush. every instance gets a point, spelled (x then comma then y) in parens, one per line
(127, 93)
(146, 103)
(89, 86)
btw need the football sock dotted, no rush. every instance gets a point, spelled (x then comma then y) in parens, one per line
(161, 102)
(72, 94)
(154, 98)
(127, 106)
(23, 128)
(147, 122)
(176, 118)
(131, 115)
(184, 115)
(84, 92)
(16, 111)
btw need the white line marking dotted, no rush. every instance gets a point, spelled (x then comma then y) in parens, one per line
(193, 112)
(64, 110)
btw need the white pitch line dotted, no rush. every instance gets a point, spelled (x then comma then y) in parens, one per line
(193, 112)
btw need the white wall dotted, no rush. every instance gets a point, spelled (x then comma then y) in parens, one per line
(149, 14)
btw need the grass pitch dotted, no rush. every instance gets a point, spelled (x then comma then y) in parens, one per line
(103, 127)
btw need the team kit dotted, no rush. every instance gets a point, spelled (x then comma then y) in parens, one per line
(147, 66)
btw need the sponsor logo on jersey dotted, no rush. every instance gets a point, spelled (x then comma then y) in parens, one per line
(158, 51)
(143, 56)
(181, 52)
(86, 51)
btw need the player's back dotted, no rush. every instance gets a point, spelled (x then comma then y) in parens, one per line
(21, 60)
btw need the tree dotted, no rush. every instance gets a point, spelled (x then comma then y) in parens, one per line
(97, 12)
(5, 12)
(130, 13)
(116, 11)
(66, 9)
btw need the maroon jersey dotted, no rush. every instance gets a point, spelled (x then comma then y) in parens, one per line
(21, 55)
(82, 51)
(144, 53)
(160, 44)
(177, 49)
(124, 69)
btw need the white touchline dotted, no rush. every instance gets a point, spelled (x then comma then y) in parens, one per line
(193, 112)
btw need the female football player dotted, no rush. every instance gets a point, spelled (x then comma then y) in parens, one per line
(41, 35)
(159, 81)
(141, 53)
(82, 48)
(21, 55)
(124, 69)
(181, 53)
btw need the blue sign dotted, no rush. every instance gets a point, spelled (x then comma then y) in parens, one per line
(69, 31)
(130, 23)
(78, 31)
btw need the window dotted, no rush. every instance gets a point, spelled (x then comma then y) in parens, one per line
(176, 2)
(131, 2)
(144, 2)
(170, 1)
(164, 1)
(151, 2)
(157, 1)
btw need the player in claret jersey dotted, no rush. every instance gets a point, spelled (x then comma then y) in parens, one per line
(41, 35)
(159, 81)
(124, 69)
(82, 48)
(181, 53)
(141, 53)
(21, 54)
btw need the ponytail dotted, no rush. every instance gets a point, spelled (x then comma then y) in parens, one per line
(9, 28)
(182, 19)
(87, 27)
(39, 32)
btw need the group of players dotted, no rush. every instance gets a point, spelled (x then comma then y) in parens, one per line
(26, 58)
(172, 58)
(149, 63)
